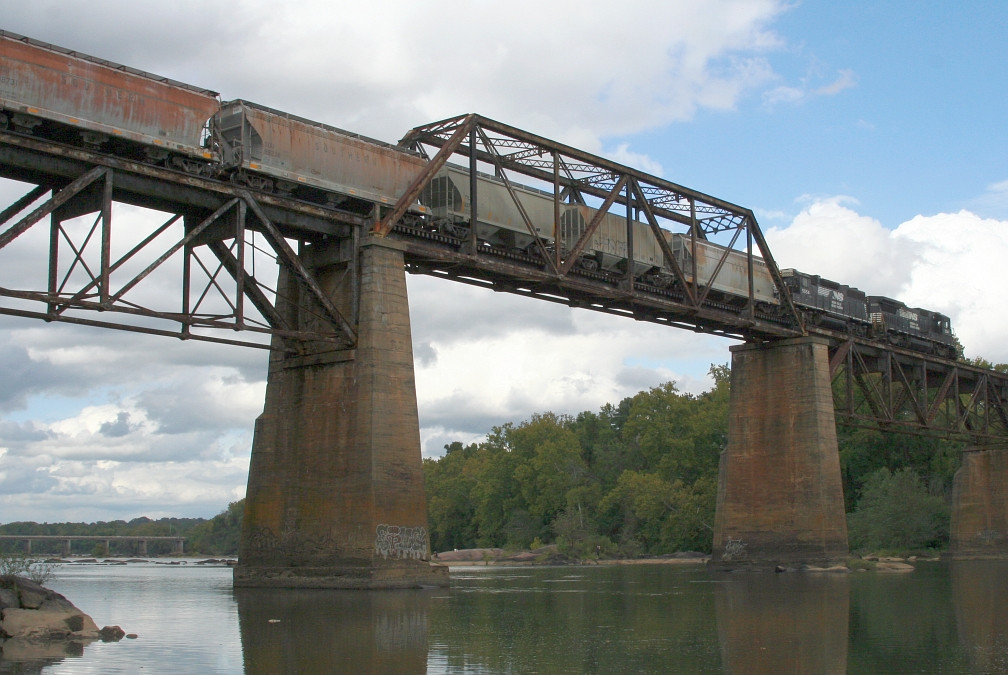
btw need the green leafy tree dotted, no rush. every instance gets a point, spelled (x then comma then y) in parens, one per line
(221, 534)
(450, 485)
(896, 511)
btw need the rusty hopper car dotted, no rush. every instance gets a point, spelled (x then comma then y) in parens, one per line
(46, 89)
(272, 150)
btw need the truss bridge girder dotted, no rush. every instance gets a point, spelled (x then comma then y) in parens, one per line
(654, 208)
(880, 386)
(217, 248)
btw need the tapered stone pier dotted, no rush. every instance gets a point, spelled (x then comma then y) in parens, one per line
(780, 496)
(335, 492)
(980, 506)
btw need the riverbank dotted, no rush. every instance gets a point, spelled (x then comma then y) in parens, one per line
(550, 555)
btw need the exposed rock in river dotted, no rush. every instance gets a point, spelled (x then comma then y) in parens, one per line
(40, 625)
(32, 612)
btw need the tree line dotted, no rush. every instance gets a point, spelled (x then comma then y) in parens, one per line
(640, 478)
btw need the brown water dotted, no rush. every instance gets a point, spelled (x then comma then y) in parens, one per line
(942, 618)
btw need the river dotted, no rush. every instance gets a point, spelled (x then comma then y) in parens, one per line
(944, 617)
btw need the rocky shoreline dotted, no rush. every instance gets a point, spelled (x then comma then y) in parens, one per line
(229, 562)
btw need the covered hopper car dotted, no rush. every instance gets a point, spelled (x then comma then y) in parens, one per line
(55, 92)
(70, 97)
(272, 150)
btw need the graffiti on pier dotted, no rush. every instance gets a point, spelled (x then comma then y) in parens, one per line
(394, 541)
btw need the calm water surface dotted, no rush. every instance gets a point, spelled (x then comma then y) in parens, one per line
(942, 618)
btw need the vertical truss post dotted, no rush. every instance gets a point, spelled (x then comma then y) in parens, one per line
(472, 240)
(54, 239)
(557, 248)
(106, 242)
(887, 385)
(629, 239)
(694, 229)
(849, 367)
(751, 307)
(240, 213)
(187, 254)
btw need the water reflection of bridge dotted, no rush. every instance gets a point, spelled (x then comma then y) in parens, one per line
(938, 618)
(139, 541)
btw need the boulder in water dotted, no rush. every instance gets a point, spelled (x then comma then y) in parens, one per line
(34, 613)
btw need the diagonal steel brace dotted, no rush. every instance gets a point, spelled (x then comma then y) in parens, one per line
(289, 257)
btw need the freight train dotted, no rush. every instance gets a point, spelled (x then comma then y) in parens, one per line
(66, 96)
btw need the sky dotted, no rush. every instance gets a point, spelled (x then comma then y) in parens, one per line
(868, 138)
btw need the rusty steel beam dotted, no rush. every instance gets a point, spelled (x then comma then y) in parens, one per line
(50, 205)
(46, 163)
(880, 385)
(287, 255)
(384, 226)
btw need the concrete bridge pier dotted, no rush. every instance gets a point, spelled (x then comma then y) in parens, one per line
(980, 505)
(780, 495)
(335, 492)
(66, 547)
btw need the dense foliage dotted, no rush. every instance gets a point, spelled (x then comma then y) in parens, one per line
(897, 511)
(220, 534)
(640, 478)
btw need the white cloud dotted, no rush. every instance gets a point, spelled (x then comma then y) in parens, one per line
(960, 271)
(834, 241)
(559, 69)
(808, 88)
(846, 79)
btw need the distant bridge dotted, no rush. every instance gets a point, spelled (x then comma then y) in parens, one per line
(178, 543)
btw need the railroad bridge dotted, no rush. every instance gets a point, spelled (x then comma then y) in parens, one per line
(335, 491)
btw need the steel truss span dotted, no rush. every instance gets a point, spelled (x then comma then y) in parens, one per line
(908, 392)
(729, 287)
(206, 272)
